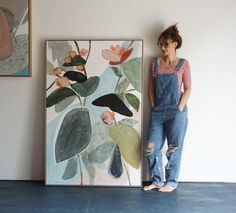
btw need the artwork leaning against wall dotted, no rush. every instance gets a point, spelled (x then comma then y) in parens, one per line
(94, 112)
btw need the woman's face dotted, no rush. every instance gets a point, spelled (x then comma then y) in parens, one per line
(167, 46)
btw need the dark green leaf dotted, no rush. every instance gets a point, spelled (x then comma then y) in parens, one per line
(117, 71)
(58, 95)
(133, 101)
(87, 88)
(71, 168)
(115, 168)
(74, 134)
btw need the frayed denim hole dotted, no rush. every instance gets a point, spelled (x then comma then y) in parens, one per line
(172, 148)
(149, 151)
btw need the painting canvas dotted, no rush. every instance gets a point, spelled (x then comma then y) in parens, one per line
(15, 38)
(93, 112)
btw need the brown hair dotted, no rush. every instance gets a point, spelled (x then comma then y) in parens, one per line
(172, 33)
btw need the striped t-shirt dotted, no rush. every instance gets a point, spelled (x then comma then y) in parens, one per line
(184, 74)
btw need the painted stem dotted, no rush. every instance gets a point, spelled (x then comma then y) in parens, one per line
(88, 50)
(77, 95)
(81, 173)
(85, 72)
(129, 90)
(127, 172)
(117, 83)
(50, 85)
(77, 46)
(130, 44)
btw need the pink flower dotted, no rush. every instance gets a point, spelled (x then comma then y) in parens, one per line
(62, 82)
(116, 55)
(72, 54)
(83, 52)
(108, 117)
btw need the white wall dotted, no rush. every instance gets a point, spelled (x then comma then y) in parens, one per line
(208, 30)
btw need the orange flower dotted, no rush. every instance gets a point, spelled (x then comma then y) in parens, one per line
(80, 67)
(57, 71)
(108, 117)
(62, 82)
(83, 52)
(116, 55)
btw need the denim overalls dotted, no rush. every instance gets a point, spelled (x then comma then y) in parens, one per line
(166, 122)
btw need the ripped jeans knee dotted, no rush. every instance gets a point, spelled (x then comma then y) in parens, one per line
(172, 148)
(150, 148)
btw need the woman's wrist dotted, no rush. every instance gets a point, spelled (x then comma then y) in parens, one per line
(180, 107)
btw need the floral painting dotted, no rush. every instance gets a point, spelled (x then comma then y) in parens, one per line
(93, 112)
(14, 38)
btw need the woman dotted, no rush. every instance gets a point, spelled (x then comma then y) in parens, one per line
(169, 90)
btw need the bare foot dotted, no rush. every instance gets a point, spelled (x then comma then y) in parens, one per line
(166, 188)
(150, 187)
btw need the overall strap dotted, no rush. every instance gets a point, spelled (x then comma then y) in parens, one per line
(154, 65)
(178, 66)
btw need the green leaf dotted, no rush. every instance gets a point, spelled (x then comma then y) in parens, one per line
(74, 134)
(133, 101)
(117, 71)
(71, 168)
(122, 86)
(88, 87)
(89, 166)
(64, 103)
(128, 121)
(10, 18)
(129, 142)
(60, 50)
(50, 68)
(58, 95)
(101, 153)
(132, 70)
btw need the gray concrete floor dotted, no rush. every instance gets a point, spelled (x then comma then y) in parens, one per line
(32, 197)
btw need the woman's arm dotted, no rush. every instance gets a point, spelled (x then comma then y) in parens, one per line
(187, 85)
(151, 87)
(184, 98)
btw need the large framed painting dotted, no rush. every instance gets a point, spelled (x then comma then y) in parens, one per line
(94, 112)
(15, 39)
